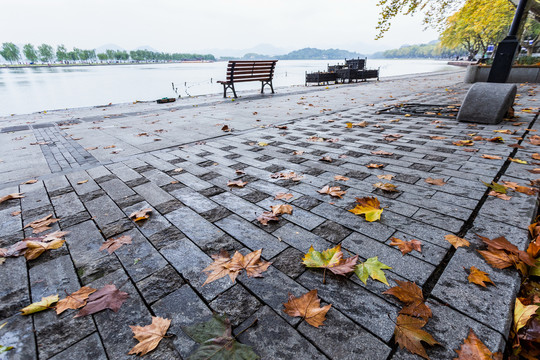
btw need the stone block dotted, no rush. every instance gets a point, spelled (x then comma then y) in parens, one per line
(487, 103)
(236, 303)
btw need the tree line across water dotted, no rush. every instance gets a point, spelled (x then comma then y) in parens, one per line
(47, 54)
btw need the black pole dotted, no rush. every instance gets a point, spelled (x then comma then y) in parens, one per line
(507, 49)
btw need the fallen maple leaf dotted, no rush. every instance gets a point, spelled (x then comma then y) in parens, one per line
(149, 336)
(473, 348)
(382, 152)
(522, 314)
(11, 196)
(386, 177)
(496, 187)
(411, 295)
(478, 277)
(33, 181)
(406, 246)
(386, 187)
(298, 152)
(267, 216)
(44, 304)
(15, 213)
(536, 156)
(375, 166)
(114, 244)
(517, 160)
(534, 140)
(331, 259)
(225, 128)
(499, 195)
(456, 241)
(491, 157)
(368, 206)
(463, 143)
(42, 224)
(237, 183)
(372, 267)
(74, 300)
(496, 139)
(281, 209)
(334, 191)
(35, 248)
(283, 196)
(215, 336)
(326, 158)
(409, 334)
(307, 306)
(501, 243)
(437, 137)
(340, 178)
(438, 182)
(108, 297)
(471, 150)
(141, 214)
(224, 265)
(82, 182)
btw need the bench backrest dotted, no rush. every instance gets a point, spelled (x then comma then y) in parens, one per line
(250, 70)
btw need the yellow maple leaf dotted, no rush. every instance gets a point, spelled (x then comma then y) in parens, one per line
(44, 304)
(368, 206)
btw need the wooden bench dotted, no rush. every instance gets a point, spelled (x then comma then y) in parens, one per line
(242, 71)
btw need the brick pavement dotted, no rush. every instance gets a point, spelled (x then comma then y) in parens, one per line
(195, 214)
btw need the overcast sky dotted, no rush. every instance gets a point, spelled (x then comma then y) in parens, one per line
(198, 25)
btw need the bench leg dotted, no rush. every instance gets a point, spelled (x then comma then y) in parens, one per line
(224, 91)
(233, 90)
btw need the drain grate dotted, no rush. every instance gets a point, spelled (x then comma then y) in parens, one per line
(429, 110)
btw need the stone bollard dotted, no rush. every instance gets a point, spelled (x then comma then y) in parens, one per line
(487, 103)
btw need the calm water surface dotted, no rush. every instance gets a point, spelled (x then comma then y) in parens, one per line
(36, 89)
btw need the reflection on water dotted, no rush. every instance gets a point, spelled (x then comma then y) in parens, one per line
(29, 90)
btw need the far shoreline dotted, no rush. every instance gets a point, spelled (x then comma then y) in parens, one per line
(22, 66)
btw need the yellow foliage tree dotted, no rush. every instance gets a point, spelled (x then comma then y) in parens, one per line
(478, 24)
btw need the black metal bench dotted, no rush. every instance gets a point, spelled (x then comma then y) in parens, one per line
(242, 71)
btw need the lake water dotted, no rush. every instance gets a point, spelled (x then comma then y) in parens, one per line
(28, 90)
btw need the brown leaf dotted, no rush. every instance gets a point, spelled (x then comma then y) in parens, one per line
(237, 183)
(409, 334)
(498, 259)
(536, 156)
(386, 187)
(456, 241)
(406, 246)
(225, 128)
(74, 300)
(108, 297)
(340, 178)
(267, 216)
(438, 182)
(239, 172)
(491, 157)
(33, 181)
(479, 277)
(149, 336)
(438, 137)
(382, 152)
(386, 177)
(473, 348)
(109, 147)
(298, 152)
(223, 265)
(308, 307)
(500, 243)
(334, 191)
(471, 150)
(42, 224)
(36, 248)
(534, 140)
(326, 158)
(411, 295)
(534, 249)
(141, 214)
(11, 196)
(375, 166)
(114, 244)
(283, 196)
(82, 182)
(331, 259)
(499, 195)
(281, 209)
(463, 143)
(16, 213)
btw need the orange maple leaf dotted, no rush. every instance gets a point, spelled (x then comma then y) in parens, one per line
(308, 307)
(223, 265)
(406, 246)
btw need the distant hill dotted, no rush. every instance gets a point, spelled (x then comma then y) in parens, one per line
(303, 54)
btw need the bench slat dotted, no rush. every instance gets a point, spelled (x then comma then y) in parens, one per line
(249, 70)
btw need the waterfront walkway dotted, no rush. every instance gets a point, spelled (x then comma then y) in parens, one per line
(95, 166)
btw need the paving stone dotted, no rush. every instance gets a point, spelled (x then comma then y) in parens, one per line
(238, 205)
(168, 206)
(153, 194)
(518, 211)
(89, 348)
(289, 262)
(150, 226)
(285, 342)
(431, 253)
(190, 261)
(97, 269)
(331, 231)
(9, 224)
(116, 189)
(251, 236)
(165, 237)
(300, 238)
(157, 177)
(123, 172)
(159, 284)
(439, 220)
(18, 333)
(454, 289)
(204, 233)
(216, 214)
(366, 309)
(117, 227)
(104, 211)
(492, 228)
(137, 182)
(184, 308)
(192, 181)
(358, 344)
(306, 202)
(14, 294)
(237, 304)
(128, 201)
(194, 200)
(113, 327)
(211, 191)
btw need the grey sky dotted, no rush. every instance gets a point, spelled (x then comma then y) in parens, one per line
(194, 26)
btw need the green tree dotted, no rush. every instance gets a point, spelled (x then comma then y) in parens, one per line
(531, 35)
(46, 53)
(30, 52)
(492, 20)
(102, 56)
(61, 53)
(10, 52)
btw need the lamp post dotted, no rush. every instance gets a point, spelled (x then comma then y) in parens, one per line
(507, 49)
